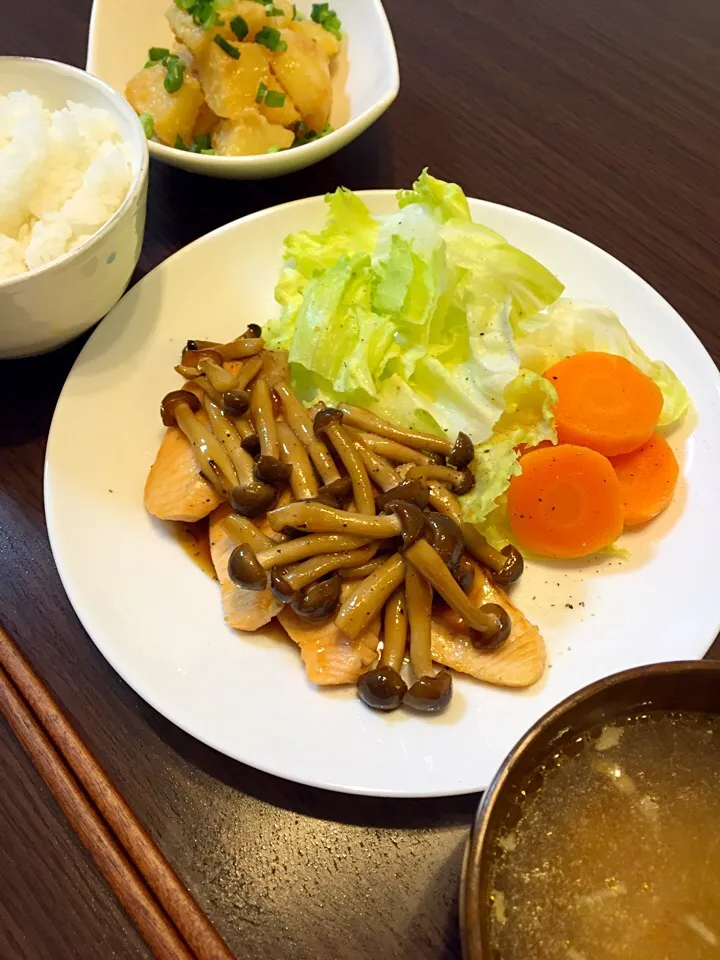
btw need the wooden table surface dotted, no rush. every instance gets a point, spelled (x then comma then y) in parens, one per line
(602, 117)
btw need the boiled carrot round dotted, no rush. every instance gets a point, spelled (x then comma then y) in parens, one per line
(604, 402)
(566, 502)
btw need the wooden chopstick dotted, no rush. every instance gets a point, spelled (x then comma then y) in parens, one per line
(49, 722)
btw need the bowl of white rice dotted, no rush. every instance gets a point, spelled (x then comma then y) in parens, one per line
(73, 194)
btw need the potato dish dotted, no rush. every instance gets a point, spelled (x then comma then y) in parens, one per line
(244, 77)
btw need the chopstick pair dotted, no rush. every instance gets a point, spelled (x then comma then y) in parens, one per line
(166, 915)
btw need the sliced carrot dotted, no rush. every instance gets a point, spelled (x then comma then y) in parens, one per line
(647, 479)
(604, 402)
(566, 502)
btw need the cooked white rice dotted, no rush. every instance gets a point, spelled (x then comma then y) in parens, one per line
(63, 174)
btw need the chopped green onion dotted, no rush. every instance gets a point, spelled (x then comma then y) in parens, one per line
(202, 140)
(239, 27)
(327, 18)
(229, 49)
(294, 16)
(148, 124)
(273, 149)
(270, 37)
(175, 73)
(150, 63)
(196, 149)
(203, 12)
(274, 12)
(274, 98)
(260, 95)
(179, 143)
(158, 53)
(265, 3)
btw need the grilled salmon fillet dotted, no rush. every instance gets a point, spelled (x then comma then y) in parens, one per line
(175, 489)
(244, 609)
(519, 662)
(330, 657)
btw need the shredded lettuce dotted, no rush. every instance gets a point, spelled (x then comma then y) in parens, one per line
(410, 314)
(439, 324)
(573, 326)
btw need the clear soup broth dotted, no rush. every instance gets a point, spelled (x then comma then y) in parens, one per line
(616, 855)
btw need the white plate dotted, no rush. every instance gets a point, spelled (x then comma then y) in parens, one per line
(366, 79)
(157, 618)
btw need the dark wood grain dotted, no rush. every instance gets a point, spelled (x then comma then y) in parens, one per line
(600, 116)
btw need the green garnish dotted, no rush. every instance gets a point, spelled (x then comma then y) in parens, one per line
(158, 53)
(239, 27)
(202, 141)
(270, 37)
(179, 143)
(274, 98)
(148, 124)
(303, 133)
(327, 18)
(274, 149)
(294, 16)
(175, 73)
(203, 12)
(265, 3)
(229, 49)
(274, 12)
(260, 95)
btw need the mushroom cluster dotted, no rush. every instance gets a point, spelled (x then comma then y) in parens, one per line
(365, 514)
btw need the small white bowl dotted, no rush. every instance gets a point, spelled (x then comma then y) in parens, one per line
(47, 307)
(366, 79)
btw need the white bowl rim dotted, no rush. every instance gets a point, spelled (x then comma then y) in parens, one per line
(139, 176)
(313, 150)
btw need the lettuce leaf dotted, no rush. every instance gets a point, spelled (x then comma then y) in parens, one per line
(573, 326)
(526, 421)
(410, 314)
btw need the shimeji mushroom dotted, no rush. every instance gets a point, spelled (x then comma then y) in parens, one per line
(392, 450)
(248, 496)
(302, 475)
(506, 565)
(364, 570)
(314, 545)
(243, 530)
(443, 501)
(417, 440)
(489, 625)
(444, 536)
(368, 598)
(431, 691)
(328, 423)
(378, 468)
(289, 581)
(178, 408)
(248, 344)
(460, 481)
(268, 467)
(402, 519)
(318, 602)
(464, 574)
(299, 420)
(414, 491)
(383, 688)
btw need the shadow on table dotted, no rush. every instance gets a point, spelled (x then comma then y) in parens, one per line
(446, 879)
(29, 389)
(384, 812)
